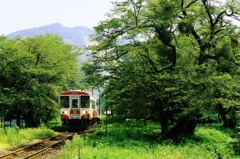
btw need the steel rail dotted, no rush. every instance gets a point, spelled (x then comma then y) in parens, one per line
(34, 155)
(19, 151)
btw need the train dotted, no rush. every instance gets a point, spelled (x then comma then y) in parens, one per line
(78, 110)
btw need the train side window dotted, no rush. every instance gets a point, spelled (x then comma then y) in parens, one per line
(74, 103)
(85, 102)
(93, 104)
(64, 101)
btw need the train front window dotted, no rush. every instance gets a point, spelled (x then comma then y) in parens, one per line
(64, 101)
(85, 102)
(75, 103)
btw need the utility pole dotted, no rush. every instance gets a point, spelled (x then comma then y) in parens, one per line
(99, 107)
(106, 84)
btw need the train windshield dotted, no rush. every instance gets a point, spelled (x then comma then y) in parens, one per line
(74, 103)
(85, 102)
(64, 101)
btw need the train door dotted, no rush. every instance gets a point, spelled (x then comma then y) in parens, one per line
(94, 112)
(74, 112)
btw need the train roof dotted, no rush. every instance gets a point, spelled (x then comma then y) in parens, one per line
(75, 92)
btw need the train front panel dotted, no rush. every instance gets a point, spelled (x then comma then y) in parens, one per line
(77, 109)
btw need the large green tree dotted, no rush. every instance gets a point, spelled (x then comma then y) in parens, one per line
(33, 72)
(164, 58)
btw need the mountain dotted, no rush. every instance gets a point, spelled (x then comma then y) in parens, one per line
(74, 35)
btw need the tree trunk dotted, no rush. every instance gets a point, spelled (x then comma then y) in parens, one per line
(31, 119)
(162, 117)
(227, 122)
(183, 127)
(18, 118)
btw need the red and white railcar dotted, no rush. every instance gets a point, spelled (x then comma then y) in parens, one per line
(78, 109)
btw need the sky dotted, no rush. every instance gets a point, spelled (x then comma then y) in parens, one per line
(23, 14)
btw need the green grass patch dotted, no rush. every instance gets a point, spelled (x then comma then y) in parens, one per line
(55, 122)
(13, 136)
(132, 140)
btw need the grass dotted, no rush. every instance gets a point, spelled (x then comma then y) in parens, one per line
(132, 140)
(13, 136)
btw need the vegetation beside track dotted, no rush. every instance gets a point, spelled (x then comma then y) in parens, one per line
(13, 136)
(133, 140)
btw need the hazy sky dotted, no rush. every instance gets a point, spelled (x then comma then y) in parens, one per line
(23, 14)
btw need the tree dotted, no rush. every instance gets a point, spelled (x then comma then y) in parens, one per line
(173, 52)
(33, 72)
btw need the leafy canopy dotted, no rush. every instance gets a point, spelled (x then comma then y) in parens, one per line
(33, 72)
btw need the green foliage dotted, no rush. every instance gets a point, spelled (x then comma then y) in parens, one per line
(33, 71)
(131, 139)
(185, 27)
(221, 140)
(14, 136)
(167, 61)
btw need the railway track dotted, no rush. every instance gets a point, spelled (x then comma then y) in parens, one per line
(39, 148)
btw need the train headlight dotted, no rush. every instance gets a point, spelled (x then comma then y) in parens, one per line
(84, 112)
(65, 112)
